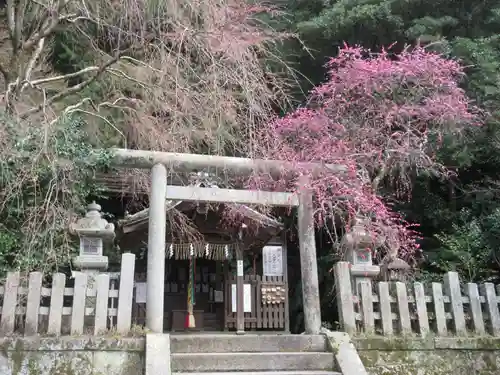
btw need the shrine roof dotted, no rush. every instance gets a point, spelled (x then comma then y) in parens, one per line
(250, 216)
(267, 226)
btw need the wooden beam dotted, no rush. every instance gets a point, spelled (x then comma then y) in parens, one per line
(141, 159)
(216, 195)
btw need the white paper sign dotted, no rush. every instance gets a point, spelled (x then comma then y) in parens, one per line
(272, 260)
(247, 298)
(218, 296)
(240, 268)
(140, 293)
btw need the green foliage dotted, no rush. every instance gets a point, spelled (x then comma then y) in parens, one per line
(466, 249)
(46, 175)
(323, 26)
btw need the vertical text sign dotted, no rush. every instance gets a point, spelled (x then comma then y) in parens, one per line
(272, 260)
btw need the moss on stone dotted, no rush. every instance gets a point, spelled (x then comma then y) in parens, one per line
(17, 357)
(431, 356)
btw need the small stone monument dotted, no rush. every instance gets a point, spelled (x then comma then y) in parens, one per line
(93, 231)
(395, 270)
(359, 243)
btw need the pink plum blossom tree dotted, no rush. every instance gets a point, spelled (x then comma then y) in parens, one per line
(379, 116)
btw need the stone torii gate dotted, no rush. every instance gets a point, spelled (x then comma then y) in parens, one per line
(160, 193)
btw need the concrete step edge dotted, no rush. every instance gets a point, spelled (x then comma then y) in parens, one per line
(235, 354)
(224, 343)
(281, 372)
(252, 362)
(220, 335)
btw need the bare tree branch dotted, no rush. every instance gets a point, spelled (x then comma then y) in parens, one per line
(19, 24)
(83, 71)
(34, 58)
(48, 27)
(11, 22)
(70, 90)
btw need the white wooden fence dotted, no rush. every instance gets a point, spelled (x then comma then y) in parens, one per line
(389, 308)
(30, 307)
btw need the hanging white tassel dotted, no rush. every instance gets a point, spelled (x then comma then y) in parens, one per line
(191, 250)
(171, 251)
(207, 251)
(226, 251)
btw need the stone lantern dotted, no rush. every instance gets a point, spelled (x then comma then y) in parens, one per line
(93, 231)
(396, 270)
(359, 243)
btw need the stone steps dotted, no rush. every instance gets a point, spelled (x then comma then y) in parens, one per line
(251, 354)
(232, 354)
(242, 361)
(231, 343)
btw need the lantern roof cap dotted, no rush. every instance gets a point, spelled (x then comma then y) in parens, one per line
(398, 264)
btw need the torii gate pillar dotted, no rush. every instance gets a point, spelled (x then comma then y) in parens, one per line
(156, 249)
(308, 263)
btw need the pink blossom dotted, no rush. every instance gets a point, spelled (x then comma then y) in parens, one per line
(380, 116)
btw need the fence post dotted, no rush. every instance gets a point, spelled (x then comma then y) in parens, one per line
(384, 298)
(345, 301)
(472, 292)
(79, 299)
(101, 304)
(421, 306)
(126, 293)
(439, 312)
(488, 291)
(9, 303)
(366, 297)
(33, 304)
(404, 319)
(56, 304)
(452, 288)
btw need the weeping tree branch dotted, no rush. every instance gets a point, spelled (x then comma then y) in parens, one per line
(73, 89)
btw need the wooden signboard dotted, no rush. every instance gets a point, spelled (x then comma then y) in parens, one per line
(272, 260)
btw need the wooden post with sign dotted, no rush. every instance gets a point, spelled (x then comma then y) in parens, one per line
(240, 307)
(285, 279)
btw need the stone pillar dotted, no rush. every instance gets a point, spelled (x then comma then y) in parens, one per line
(156, 249)
(308, 263)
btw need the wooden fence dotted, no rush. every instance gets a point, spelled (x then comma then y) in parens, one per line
(67, 306)
(389, 308)
(264, 313)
